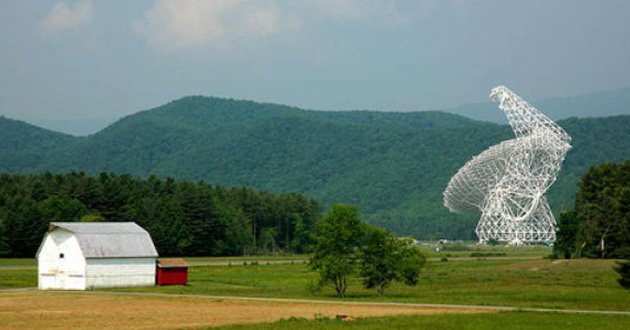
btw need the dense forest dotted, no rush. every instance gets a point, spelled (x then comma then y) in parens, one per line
(183, 218)
(393, 166)
(599, 223)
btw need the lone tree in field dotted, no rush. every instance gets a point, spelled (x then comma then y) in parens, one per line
(337, 240)
(386, 259)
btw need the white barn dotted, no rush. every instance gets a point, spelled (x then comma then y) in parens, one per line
(80, 256)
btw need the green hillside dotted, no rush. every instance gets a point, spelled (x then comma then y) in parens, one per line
(393, 165)
(23, 147)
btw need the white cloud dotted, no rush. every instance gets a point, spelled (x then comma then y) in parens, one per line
(63, 17)
(193, 23)
(221, 24)
(262, 21)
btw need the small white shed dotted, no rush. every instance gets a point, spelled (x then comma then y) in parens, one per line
(79, 256)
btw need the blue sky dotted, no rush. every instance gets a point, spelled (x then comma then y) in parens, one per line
(87, 60)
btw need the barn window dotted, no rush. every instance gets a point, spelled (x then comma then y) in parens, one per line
(61, 255)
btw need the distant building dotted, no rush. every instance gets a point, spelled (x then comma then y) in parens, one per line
(80, 256)
(172, 272)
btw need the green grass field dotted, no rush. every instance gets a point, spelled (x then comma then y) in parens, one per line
(512, 321)
(18, 262)
(570, 284)
(12, 278)
(566, 284)
(563, 284)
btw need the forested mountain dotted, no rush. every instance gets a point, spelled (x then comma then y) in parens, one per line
(607, 103)
(23, 146)
(394, 166)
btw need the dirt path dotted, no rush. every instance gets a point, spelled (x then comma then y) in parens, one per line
(111, 311)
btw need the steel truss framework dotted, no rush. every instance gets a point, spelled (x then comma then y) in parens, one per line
(507, 182)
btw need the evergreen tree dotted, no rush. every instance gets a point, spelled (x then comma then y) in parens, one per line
(169, 233)
(4, 245)
(238, 236)
(25, 227)
(301, 237)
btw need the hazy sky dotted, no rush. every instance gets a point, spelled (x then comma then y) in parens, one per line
(106, 59)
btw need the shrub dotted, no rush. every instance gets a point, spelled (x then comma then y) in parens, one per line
(386, 259)
(623, 268)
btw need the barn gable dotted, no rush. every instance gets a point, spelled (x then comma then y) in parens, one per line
(110, 239)
(65, 241)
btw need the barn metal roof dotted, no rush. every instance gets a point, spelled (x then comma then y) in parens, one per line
(110, 239)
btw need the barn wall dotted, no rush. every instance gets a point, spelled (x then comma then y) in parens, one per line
(54, 272)
(120, 272)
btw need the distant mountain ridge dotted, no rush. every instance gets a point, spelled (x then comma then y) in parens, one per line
(76, 127)
(600, 104)
(394, 166)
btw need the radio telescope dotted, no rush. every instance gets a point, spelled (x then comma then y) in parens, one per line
(507, 182)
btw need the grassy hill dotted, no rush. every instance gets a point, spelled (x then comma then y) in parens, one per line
(393, 165)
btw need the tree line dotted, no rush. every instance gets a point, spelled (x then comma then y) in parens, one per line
(183, 218)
